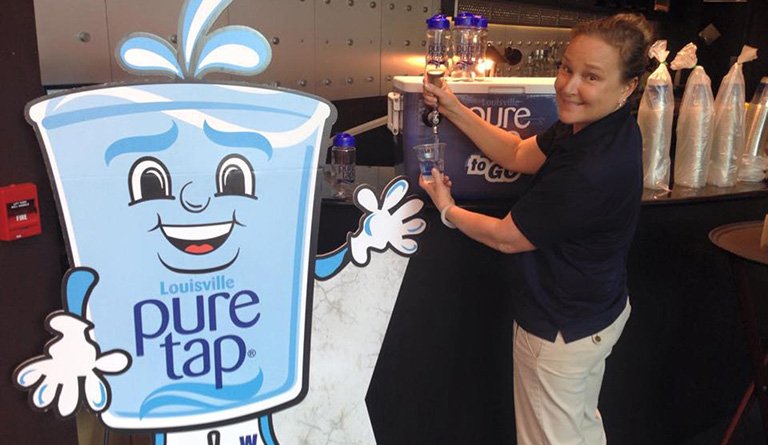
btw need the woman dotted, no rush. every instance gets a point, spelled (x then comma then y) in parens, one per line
(570, 231)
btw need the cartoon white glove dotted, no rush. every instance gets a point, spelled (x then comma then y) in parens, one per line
(387, 222)
(71, 355)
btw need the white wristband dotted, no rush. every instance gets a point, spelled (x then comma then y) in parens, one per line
(445, 221)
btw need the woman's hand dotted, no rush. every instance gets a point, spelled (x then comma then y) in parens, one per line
(439, 189)
(441, 99)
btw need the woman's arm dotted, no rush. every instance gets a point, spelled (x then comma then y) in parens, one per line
(500, 234)
(503, 147)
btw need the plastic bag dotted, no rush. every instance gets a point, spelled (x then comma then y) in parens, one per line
(754, 161)
(728, 137)
(655, 120)
(694, 123)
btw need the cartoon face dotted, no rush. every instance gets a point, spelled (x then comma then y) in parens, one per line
(149, 179)
(208, 202)
(194, 203)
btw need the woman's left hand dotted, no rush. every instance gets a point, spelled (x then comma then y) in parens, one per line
(439, 189)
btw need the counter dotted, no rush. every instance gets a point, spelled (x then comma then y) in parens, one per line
(444, 373)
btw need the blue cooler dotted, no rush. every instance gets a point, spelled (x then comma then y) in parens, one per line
(522, 104)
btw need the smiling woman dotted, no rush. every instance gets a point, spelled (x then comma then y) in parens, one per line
(571, 230)
(589, 82)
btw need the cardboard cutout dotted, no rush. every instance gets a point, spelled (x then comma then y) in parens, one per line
(190, 214)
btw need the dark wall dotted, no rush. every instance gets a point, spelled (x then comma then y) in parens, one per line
(30, 269)
(739, 24)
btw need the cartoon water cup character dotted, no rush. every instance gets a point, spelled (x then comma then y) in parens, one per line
(194, 203)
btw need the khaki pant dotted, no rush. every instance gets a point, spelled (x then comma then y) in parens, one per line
(557, 386)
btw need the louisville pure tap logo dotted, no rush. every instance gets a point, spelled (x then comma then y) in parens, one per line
(190, 213)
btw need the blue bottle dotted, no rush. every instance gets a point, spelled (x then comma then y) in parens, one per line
(343, 163)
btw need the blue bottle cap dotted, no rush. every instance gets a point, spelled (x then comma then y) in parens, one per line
(463, 19)
(438, 21)
(344, 140)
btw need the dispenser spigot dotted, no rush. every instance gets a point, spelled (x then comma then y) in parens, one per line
(432, 118)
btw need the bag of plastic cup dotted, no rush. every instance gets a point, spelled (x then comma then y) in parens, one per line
(694, 123)
(728, 128)
(754, 161)
(655, 120)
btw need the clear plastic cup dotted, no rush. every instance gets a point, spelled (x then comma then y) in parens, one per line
(195, 204)
(430, 156)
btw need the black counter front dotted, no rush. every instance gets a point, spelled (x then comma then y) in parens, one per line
(444, 373)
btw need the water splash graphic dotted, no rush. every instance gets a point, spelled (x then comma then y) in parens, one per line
(232, 49)
(198, 397)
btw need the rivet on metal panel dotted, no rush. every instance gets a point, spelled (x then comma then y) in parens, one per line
(350, 42)
(538, 43)
(174, 39)
(528, 43)
(275, 40)
(409, 8)
(407, 43)
(519, 43)
(351, 2)
(326, 82)
(327, 2)
(423, 43)
(369, 79)
(391, 6)
(425, 9)
(302, 82)
(84, 36)
(350, 80)
(372, 4)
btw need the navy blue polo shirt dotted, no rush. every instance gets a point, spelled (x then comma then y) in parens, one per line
(580, 212)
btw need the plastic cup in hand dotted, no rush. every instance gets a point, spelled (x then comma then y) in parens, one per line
(430, 156)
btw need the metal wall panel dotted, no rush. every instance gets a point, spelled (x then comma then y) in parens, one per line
(338, 49)
(347, 48)
(403, 38)
(289, 25)
(156, 17)
(72, 41)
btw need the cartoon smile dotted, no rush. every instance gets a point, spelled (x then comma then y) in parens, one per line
(197, 240)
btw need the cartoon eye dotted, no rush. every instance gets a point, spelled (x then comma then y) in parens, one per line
(149, 179)
(235, 177)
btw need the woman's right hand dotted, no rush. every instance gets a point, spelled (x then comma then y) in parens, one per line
(441, 99)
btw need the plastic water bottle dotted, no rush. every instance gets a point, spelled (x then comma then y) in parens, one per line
(463, 36)
(343, 164)
(480, 45)
(438, 48)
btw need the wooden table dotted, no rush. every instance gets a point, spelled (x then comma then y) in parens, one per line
(742, 242)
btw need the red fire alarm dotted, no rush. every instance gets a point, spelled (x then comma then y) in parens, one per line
(19, 214)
